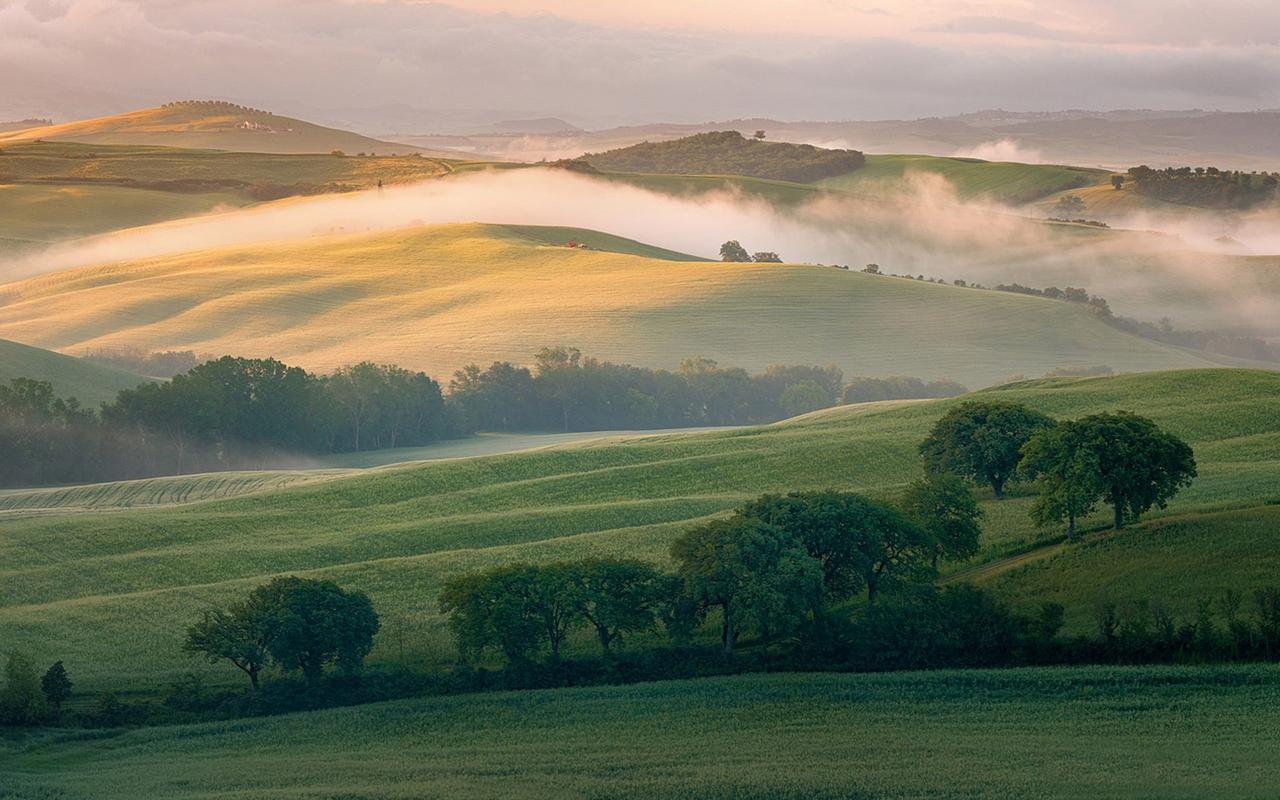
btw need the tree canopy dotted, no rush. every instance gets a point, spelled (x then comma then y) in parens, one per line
(982, 440)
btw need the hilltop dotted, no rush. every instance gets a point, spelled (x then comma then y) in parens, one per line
(436, 298)
(90, 383)
(208, 124)
(729, 153)
(114, 596)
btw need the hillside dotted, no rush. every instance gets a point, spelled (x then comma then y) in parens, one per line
(90, 383)
(972, 178)
(208, 124)
(1046, 733)
(113, 596)
(438, 297)
(729, 153)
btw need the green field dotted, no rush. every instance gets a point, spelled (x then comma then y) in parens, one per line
(436, 298)
(90, 383)
(111, 592)
(971, 177)
(1163, 732)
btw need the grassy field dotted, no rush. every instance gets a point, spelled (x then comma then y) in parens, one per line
(1183, 732)
(111, 592)
(971, 177)
(435, 298)
(213, 126)
(88, 382)
(1174, 562)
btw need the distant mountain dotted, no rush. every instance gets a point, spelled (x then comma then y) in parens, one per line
(209, 124)
(540, 125)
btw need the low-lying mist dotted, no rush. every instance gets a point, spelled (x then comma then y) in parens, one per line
(917, 226)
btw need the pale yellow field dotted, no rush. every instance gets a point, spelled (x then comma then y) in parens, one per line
(438, 297)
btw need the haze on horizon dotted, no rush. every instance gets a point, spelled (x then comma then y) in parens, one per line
(597, 65)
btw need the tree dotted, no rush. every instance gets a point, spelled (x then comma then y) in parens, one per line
(617, 596)
(1069, 206)
(1065, 473)
(942, 504)
(56, 687)
(759, 576)
(872, 269)
(759, 135)
(981, 440)
(21, 701)
(494, 608)
(732, 251)
(766, 257)
(313, 623)
(1138, 465)
(241, 635)
(857, 542)
(803, 397)
(1117, 182)
(554, 601)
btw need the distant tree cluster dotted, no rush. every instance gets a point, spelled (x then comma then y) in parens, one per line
(730, 153)
(897, 387)
(164, 364)
(1207, 187)
(224, 414)
(733, 251)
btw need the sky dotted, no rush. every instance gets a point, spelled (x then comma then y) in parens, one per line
(631, 61)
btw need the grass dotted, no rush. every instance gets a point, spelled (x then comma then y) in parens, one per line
(215, 127)
(88, 382)
(972, 178)
(436, 298)
(1174, 562)
(1162, 732)
(111, 592)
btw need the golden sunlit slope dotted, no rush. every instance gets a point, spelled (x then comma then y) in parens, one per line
(438, 297)
(209, 124)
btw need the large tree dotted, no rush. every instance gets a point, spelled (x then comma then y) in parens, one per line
(495, 608)
(1138, 464)
(858, 542)
(981, 440)
(757, 575)
(21, 700)
(1066, 474)
(732, 250)
(56, 685)
(943, 505)
(240, 635)
(618, 596)
(315, 623)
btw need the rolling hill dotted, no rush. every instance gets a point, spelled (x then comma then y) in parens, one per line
(208, 124)
(1005, 182)
(436, 298)
(88, 382)
(114, 594)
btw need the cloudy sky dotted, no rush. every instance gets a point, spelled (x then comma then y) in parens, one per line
(599, 63)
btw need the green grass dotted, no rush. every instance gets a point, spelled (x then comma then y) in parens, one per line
(111, 592)
(438, 297)
(1172, 562)
(88, 382)
(972, 178)
(1104, 733)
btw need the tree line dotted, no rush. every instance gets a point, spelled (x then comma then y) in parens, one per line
(729, 153)
(1208, 187)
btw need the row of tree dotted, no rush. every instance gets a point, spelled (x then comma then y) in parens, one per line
(1208, 187)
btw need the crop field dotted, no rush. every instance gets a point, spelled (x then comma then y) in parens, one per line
(1155, 732)
(436, 298)
(88, 382)
(972, 178)
(111, 592)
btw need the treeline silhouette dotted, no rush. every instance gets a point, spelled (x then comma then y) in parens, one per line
(242, 413)
(1208, 187)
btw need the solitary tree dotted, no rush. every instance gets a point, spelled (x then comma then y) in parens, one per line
(618, 596)
(1117, 182)
(759, 135)
(943, 505)
(981, 440)
(1065, 473)
(56, 686)
(858, 542)
(1138, 465)
(315, 623)
(733, 251)
(757, 575)
(21, 701)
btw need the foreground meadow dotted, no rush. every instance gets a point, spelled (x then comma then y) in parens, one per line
(111, 592)
(1155, 732)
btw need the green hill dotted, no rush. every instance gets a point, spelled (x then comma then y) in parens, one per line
(1046, 733)
(92, 384)
(729, 153)
(111, 592)
(208, 124)
(1006, 182)
(436, 298)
